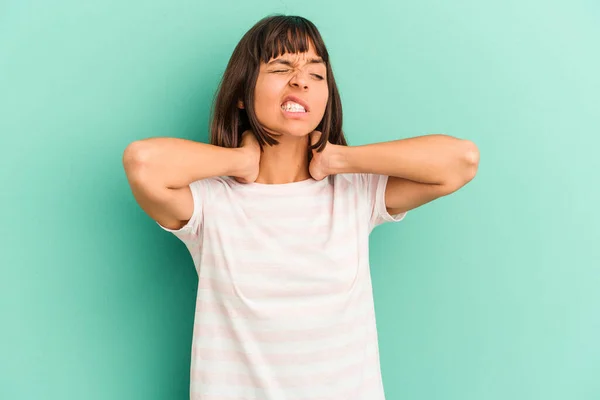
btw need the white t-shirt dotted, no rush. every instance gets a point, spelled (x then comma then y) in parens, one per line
(284, 306)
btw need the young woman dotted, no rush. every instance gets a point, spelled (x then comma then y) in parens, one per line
(276, 213)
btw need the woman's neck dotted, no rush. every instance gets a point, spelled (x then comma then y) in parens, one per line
(285, 162)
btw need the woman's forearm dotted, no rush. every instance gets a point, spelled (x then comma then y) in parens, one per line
(166, 162)
(434, 159)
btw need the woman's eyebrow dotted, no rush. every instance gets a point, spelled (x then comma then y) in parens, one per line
(289, 63)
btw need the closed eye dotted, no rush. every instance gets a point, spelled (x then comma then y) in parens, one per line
(285, 70)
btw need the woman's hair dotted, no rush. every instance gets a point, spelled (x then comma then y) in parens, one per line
(268, 38)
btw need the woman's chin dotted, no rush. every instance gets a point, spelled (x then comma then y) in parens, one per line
(298, 133)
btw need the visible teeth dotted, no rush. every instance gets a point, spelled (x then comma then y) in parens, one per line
(291, 106)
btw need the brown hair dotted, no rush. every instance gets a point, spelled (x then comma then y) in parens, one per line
(268, 38)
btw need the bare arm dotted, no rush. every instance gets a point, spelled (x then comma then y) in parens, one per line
(159, 171)
(420, 169)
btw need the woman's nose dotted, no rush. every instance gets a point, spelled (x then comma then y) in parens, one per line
(299, 79)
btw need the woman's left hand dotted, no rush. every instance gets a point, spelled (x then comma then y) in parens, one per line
(321, 163)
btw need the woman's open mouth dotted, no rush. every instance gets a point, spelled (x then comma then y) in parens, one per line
(293, 110)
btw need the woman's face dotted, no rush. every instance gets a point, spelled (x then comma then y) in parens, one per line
(303, 76)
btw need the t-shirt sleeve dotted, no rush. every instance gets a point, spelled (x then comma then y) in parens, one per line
(373, 186)
(191, 232)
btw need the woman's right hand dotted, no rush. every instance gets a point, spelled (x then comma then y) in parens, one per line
(251, 150)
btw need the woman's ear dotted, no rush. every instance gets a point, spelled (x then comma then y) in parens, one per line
(240, 104)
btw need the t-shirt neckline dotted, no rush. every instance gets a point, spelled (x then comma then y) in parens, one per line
(279, 187)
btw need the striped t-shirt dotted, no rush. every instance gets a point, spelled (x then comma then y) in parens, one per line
(284, 307)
